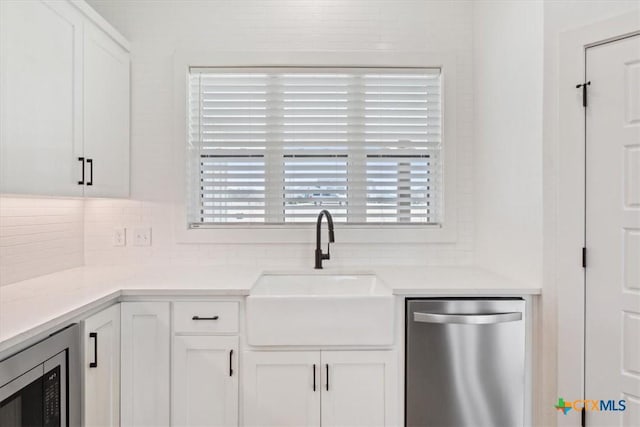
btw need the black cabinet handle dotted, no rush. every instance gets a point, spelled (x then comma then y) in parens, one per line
(81, 160)
(314, 377)
(230, 363)
(90, 162)
(327, 365)
(205, 318)
(94, 335)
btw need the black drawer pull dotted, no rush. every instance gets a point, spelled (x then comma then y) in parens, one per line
(230, 363)
(314, 377)
(94, 335)
(205, 318)
(327, 377)
(90, 161)
(81, 159)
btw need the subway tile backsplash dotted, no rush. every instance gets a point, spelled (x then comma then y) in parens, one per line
(39, 236)
(102, 216)
(44, 235)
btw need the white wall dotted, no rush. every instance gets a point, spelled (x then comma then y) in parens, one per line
(508, 137)
(158, 29)
(39, 236)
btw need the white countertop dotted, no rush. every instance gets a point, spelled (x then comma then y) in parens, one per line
(37, 306)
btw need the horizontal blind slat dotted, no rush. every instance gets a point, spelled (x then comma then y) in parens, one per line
(276, 145)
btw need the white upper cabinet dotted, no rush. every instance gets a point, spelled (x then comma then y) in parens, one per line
(41, 48)
(106, 115)
(101, 339)
(64, 91)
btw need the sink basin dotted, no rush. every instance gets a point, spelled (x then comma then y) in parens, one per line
(319, 285)
(320, 310)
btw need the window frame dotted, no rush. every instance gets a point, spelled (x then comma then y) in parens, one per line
(304, 232)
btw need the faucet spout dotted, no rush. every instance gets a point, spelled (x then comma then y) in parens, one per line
(319, 255)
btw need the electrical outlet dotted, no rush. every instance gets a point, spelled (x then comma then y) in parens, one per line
(119, 236)
(142, 236)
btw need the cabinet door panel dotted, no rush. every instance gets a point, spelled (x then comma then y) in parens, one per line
(106, 115)
(362, 388)
(40, 87)
(102, 380)
(278, 388)
(205, 381)
(145, 364)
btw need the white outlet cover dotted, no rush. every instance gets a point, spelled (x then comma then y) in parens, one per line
(119, 236)
(142, 236)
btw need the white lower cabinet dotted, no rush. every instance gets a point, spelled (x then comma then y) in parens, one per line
(140, 371)
(146, 335)
(281, 388)
(313, 388)
(205, 381)
(359, 388)
(101, 365)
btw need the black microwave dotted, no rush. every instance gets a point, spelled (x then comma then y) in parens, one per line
(40, 386)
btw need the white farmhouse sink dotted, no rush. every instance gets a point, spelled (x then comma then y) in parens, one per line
(320, 310)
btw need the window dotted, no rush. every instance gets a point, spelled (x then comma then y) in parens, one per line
(277, 145)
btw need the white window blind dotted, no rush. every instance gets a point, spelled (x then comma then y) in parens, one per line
(277, 145)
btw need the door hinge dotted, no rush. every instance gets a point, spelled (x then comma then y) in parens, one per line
(584, 92)
(584, 257)
(583, 418)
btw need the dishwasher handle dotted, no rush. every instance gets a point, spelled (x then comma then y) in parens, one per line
(467, 319)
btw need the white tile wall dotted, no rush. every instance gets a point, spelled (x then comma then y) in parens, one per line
(102, 216)
(158, 29)
(39, 236)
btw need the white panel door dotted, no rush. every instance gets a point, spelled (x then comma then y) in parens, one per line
(281, 388)
(106, 115)
(359, 388)
(145, 364)
(101, 395)
(612, 354)
(205, 381)
(40, 96)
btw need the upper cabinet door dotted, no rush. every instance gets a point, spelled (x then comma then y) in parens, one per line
(106, 115)
(359, 388)
(281, 388)
(205, 381)
(102, 368)
(40, 95)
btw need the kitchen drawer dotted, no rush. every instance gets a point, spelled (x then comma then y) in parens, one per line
(216, 317)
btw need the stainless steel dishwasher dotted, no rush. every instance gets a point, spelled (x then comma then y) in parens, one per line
(465, 362)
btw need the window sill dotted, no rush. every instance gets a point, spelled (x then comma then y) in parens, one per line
(287, 234)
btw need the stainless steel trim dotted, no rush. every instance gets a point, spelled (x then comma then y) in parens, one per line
(21, 382)
(67, 342)
(468, 319)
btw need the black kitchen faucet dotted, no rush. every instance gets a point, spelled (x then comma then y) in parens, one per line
(319, 255)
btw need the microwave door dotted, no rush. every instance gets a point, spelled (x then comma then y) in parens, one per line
(20, 399)
(37, 397)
